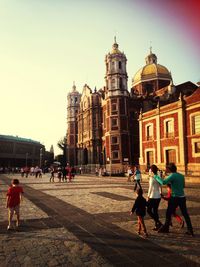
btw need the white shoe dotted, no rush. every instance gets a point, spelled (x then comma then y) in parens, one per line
(9, 227)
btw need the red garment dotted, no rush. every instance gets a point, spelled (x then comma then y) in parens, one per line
(167, 197)
(13, 194)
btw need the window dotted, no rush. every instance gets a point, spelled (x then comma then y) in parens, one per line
(113, 84)
(121, 83)
(120, 65)
(149, 132)
(113, 122)
(170, 156)
(115, 154)
(114, 107)
(197, 147)
(150, 159)
(114, 139)
(196, 124)
(104, 120)
(112, 65)
(169, 128)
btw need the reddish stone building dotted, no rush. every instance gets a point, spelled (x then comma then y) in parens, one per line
(156, 122)
(171, 133)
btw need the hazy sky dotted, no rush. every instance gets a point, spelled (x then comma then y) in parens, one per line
(45, 45)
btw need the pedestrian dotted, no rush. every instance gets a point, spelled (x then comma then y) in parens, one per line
(14, 197)
(139, 207)
(52, 171)
(175, 215)
(129, 173)
(73, 172)
(137, 178)
(59, 174)
(178, 199)
(154, 197)
(64, 174)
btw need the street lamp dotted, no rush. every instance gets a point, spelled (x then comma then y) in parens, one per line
(26, 159)
(40, 157)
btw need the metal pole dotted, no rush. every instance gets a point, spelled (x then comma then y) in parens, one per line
(26, 158)
(40, 157)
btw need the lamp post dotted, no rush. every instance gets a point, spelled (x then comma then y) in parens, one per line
(40, 157)
(26, 159)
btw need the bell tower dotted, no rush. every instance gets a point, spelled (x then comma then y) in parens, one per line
(116, 136)
(116, 75)
(73, 100)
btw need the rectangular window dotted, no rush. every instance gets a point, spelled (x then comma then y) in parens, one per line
(150, 159)
(196, 124)
(170, 156)
(121, 84)
(115, 154)
(113, 122)
(120, 65)
(112, 66)
(114, 107)
(114, 140)
(104, 120)
(169, 129)
(197, 147)
(149, 132)
(113, 83)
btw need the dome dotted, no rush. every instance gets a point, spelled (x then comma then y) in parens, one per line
(151, 71)
(115, 49)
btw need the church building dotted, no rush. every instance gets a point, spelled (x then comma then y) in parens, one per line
(153, 122)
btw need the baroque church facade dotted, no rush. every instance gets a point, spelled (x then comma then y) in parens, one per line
(114, 127)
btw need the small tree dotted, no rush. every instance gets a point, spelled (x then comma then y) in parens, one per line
(62, 144)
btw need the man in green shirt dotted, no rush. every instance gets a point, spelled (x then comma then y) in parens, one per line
(178, 199)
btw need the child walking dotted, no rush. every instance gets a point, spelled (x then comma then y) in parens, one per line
(14, 196)
(167, 197)
(139, 207)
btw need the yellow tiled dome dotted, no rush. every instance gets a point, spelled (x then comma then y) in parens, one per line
(151, 71)
(115, 49)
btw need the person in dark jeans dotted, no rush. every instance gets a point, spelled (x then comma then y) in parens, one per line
(178, 199)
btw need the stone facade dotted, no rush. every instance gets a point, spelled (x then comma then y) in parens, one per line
(171, 133)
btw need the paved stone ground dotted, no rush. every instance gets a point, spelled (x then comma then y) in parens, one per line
(87, 223)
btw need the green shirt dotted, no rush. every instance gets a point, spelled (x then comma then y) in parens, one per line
(177, 182)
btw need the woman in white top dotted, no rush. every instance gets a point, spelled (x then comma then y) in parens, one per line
(154, 197)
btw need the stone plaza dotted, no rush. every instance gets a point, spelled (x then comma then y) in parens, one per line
(87, 223)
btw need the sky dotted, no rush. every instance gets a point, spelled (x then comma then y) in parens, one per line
(46, 45)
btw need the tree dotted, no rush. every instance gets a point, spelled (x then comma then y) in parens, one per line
(62, 144)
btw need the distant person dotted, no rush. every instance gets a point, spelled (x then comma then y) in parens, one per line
(14, 197)
(137, 178)
(129, 173)
(52, 172)
(73, 172)
(178, 199)
(139, 207)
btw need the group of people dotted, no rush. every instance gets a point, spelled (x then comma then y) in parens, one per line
(62, 173)
(175, 196)
(33, 171)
